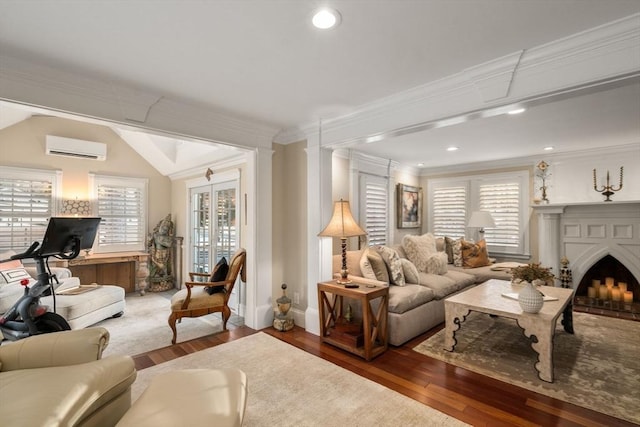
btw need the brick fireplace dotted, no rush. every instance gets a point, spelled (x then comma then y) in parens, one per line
(602, 242)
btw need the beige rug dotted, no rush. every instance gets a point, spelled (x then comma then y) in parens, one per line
(144, 327)
(597, 368)
(289, 387)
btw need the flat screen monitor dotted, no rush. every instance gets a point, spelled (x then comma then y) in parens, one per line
(63, 233)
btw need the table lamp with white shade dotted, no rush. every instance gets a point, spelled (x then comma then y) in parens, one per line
(343, 225)
(481, 219)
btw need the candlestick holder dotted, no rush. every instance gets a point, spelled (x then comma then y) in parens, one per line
(607, 190)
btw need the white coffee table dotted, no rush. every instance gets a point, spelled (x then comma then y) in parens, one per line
(539, 327)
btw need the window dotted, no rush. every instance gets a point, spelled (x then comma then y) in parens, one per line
(374, 208)
(449, 210)
(504, 195)
(122, 205)
(27, 199)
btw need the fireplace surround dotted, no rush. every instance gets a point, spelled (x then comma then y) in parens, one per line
(592, 234)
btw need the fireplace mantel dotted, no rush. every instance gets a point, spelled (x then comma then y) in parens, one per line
(560, 207)
(585, 232)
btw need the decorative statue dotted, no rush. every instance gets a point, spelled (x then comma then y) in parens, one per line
(161, 255)
(566, 276)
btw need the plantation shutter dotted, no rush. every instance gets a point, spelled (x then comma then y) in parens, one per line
(374, 217)
(449, 211)
(502, 200)
(121, 203)
(26, 203)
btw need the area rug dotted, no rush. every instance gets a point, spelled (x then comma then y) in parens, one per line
(597, 368)
(143, 326)
(289, 387)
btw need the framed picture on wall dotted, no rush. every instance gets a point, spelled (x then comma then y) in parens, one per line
(409, 206)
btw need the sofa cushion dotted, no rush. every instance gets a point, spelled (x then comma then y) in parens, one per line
(72, 307)
(393, 264)
(408, 297)
(475, 254)
(441, 285)
(482, 274)
(419, 248)
(410, 272)
(463, 277)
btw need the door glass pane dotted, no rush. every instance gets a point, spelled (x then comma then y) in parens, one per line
(225, 224)
(201, 224)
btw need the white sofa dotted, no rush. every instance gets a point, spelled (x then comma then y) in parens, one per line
(79, 310)
(417, 307)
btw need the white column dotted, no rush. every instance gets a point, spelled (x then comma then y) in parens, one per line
(319, 208)
(258, 237)
(549, 238)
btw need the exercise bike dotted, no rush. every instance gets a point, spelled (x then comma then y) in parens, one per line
(64, 239)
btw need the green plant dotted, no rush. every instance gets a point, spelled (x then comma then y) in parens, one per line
(531, 272)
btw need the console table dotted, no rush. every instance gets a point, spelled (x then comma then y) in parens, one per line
(125, 269)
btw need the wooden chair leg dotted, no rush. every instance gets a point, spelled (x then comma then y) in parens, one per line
(226, 314)
(172, 325)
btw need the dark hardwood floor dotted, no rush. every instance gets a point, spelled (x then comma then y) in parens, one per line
(465, 395)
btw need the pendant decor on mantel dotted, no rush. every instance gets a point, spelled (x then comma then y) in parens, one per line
(530, 298)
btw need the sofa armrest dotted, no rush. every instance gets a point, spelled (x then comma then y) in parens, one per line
(54, 349)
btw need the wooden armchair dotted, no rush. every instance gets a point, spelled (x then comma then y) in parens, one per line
(194, 301)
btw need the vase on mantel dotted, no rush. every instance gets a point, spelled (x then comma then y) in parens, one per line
(530, 298)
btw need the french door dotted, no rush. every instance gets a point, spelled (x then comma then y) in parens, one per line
(214, 231)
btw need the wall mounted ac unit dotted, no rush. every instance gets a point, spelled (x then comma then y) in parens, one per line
(68, 147)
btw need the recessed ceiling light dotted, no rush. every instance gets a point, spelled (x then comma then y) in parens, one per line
(325, 18)
(549, 148)
(420, 164)
(517, 111)
(452, 149)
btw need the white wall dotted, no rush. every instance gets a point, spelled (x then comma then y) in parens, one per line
(571, 179)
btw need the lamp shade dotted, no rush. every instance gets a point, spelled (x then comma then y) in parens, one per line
(481, 219)
(342, 223)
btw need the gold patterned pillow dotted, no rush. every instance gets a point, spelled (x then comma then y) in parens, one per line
(475, 254)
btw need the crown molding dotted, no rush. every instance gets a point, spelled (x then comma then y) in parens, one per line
(527, 161)
(592, 57)
(31, 83)
(493, 79)
(230, 162)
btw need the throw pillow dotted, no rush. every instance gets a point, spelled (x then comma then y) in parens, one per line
(437, 263)
(378, 265)
(419, 248)
(475, 254)
(393, 263)
(365, 266)
(218, 275)
(456, 250)
(410, 271)
(448, 248)
(12, 271)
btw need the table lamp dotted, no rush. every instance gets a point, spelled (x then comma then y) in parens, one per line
(481, 219)
(343, 225)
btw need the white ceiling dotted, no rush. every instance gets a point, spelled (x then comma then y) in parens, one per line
(261, 59)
